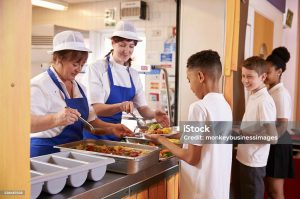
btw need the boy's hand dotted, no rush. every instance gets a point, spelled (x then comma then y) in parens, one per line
(162, 118)
(155, 138)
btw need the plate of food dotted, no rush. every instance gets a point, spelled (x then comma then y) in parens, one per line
(156, 128)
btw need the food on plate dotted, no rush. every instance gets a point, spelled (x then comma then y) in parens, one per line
(165, 153)
(114, 150)
(155, 128)
(175, 141)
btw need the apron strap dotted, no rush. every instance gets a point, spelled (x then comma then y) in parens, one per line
(111, 80)
(56, 82)
(80, 89)
(131, 81)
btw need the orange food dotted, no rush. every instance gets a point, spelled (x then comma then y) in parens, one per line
(115, 150)
(166, 130)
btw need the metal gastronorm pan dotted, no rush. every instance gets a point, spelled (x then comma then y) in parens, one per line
(123, 164)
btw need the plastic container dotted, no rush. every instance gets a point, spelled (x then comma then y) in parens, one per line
(51, 172)
(54, 177)
(36, 184)
(97, 171)
(76, 178)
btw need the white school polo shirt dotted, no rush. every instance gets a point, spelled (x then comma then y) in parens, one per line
(210, 179)
(260, 107)
(98, 85)
(46, 98)
(282, 101)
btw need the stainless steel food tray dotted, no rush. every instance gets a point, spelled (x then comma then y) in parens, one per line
(144, 141)
(123, 164)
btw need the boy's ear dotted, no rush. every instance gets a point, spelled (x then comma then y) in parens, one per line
(200, 76)
(264, 76)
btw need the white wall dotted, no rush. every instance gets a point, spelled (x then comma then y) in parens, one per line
(289, 40)
(202, 27)
(90, 16)
(282, 37)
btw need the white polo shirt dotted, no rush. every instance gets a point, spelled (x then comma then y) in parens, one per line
(260, 107)
(282, 101)
(98, 85)
(210, 179)
(46, 98)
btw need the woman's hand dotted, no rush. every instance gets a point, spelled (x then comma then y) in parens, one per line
(162, 118)
(121, 130)
(126, 106)
(66, 117)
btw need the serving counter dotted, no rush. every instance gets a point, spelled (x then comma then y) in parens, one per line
(158, 181)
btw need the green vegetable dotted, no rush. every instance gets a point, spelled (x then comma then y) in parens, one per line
(154, 126)
(167, 154)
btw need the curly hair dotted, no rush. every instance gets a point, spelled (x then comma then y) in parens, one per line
(279, 57)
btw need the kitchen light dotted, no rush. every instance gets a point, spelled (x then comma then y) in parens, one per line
(51, 4)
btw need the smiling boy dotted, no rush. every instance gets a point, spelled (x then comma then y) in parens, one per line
(260, 107)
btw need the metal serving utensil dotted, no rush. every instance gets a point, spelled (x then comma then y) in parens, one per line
(140, 122)
(86, 123)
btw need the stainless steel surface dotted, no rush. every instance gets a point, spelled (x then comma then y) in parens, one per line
(146, 141)
(114, 183)
(137, 140)
(141, 124)
(127, 165)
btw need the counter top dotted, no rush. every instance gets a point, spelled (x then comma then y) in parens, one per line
(114, 185)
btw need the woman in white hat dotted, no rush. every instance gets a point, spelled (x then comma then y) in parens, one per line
(57, 100)
(113, 86)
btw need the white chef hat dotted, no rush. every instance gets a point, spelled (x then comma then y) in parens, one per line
(126, 29)
(69, 40)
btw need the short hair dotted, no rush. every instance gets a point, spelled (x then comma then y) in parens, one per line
(255, 63)
(279, 57)
(118, 39)
(70, 55)
(207, 60)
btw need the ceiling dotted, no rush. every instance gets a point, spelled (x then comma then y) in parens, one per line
(80, 1)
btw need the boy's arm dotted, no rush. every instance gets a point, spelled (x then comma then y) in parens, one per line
(282, 126)
(191, 155)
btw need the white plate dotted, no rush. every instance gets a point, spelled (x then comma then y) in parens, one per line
(165, 135)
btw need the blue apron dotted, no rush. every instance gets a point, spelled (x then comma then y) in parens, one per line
(71, 133)
(117, 94)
